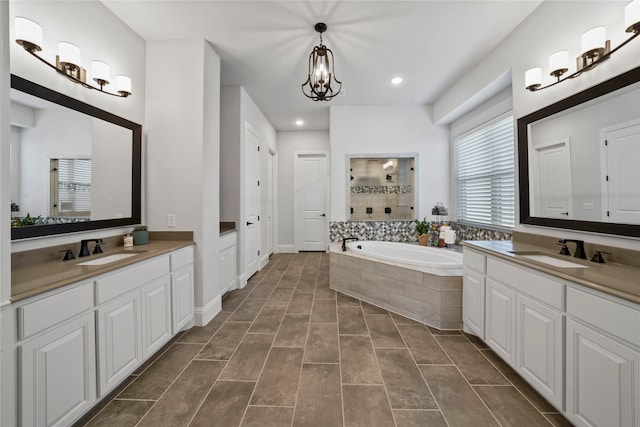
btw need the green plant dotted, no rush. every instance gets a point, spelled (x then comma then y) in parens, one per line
(422, 226)
(27, 220)
(140, 228)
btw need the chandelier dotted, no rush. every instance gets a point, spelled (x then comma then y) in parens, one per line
(321, 74)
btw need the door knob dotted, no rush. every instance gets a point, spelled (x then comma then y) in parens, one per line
(323, 215)
(249, 223)
(564, 213)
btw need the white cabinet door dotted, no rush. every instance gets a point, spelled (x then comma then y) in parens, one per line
(119, 343)
(500, 319)
(473, 302)
(156, 315)
(58, 374)
(539, 348)
(603, 379)
(228, 269)
(182, 297)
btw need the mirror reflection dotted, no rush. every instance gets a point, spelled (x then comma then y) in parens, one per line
(583, 161)
(67, 166)
(382, 189)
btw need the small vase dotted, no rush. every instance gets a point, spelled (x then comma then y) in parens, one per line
(423, 239)
(140, 237)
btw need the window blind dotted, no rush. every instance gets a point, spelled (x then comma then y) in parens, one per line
(74, 186)
(484, 162)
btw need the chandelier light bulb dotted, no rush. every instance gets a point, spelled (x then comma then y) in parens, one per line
(533, 78)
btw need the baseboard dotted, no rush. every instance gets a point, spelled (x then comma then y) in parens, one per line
(286, 249)
(203, 315)
(242, 281)
(263, 261)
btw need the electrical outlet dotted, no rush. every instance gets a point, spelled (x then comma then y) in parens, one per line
(171, 220)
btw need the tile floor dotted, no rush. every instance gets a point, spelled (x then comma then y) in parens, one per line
(288, 351)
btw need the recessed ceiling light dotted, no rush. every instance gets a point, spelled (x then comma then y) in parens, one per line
(299, 122)
(396, 81)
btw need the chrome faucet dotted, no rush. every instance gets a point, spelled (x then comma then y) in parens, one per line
(344, 242)
(579, 247)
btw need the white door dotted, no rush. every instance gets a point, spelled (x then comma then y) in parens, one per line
(552, 180)
(310, 202)
(182, 297)
(473, 305)
(622, 175)
(156, 313)
(272, 178)
(251, 200)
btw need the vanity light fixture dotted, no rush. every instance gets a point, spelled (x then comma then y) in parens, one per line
(321, 71)
(594, 46)
(29, 35)
(396, 81)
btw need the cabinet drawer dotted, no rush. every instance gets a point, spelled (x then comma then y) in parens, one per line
(610, 316)
(474, 260)
(181, 257)
(126, 280)
(542, 288)
(39, 315)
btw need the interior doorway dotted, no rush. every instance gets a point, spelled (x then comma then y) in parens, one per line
(311, 200)
(251, 200)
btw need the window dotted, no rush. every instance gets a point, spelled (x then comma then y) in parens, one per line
(484, 163)
(71, 187)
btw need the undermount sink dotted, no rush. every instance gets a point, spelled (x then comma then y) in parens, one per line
(108, 259)
(549, 260)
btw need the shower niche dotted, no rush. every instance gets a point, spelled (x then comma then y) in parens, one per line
(381, 188)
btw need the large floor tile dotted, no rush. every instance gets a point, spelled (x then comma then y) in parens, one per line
(202, 334)
(323, 292)
(322, 344)
(324, 311)
(372, 309)
(280, 297)
(306, 287)
(246, 363)
(351, 321)
(248, 310)
(418, 418)
(460, 405)
(423, 346)
(301, 304)
(225, 404)
(401, 320)
(471, 362)
(358, 361)
(121, 413)
(183, 398)
(366, 405)
(278, 383)
(268, 321)
(384, 333)
(267, 416)
(510, 407)
(293, 331)
(405, 386)
(157, 378)
(224, 343)
(346, 300)
(231, 301)
(319, 397)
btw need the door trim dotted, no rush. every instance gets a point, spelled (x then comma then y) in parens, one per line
(297, 219)
(243, 244)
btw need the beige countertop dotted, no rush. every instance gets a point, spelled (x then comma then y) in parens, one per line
(30, 279)
(615, 279)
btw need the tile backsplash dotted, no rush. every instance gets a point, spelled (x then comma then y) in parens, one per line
(404, 231)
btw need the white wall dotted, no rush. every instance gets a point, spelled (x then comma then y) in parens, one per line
(390, 129)
(238, 108)
(552, 26)
(288, 143)
(100, 35)
(183, 154)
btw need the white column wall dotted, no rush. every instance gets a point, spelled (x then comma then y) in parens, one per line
(182, 154)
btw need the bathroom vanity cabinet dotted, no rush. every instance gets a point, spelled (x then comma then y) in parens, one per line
(69, 347)
(228, 261)
(558, 335)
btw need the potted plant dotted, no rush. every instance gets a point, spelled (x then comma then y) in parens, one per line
(140, 235)
(422, 227)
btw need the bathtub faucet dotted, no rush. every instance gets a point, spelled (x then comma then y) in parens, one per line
(344, 242)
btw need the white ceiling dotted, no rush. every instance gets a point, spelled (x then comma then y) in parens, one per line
(264, 46)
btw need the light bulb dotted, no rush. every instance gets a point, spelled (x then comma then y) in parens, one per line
(533, 78)
(123, 85)
(632, 17)
(69, 54)
(28, 34)
(593, 40)
(100, 72)
(559, 63)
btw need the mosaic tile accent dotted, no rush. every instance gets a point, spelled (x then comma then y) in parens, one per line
(381, 189)
(404, 231)
(49, 220)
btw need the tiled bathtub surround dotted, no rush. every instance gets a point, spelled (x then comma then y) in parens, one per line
(382, 189)
(404, 231)
(428, 298)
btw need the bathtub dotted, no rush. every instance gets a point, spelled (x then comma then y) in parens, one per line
(418, 282)
(405, 253)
